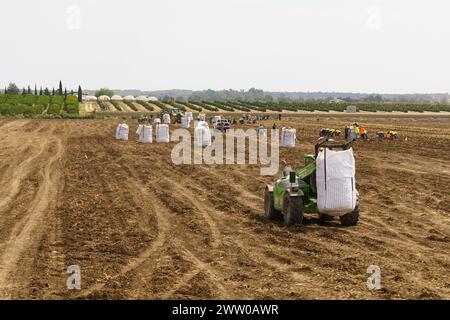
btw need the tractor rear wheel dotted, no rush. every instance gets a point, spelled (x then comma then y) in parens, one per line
(351, 218)
(325, 217)
(269, 208)
(292, 209)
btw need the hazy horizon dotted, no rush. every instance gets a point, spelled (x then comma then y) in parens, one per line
(384, 47)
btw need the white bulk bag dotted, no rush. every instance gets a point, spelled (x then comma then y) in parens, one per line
(201, 117)
(157, 120)
(202, 135)
(139, 129)
(288, 137)
(335, 179)
(190, 116)
(201, 123)
(145, 134)
(162, 133)
(185, 122)
(122, 132)
(166, 119)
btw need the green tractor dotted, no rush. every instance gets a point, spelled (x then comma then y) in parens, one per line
(295, 193)
(175, 114)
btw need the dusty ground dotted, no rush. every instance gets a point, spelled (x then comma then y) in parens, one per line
(141, 227)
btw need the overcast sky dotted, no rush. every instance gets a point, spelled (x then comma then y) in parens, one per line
(395, 46)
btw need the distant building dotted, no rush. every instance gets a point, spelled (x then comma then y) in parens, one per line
(351, 109)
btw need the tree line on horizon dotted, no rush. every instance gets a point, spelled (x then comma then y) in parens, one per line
(13, 89)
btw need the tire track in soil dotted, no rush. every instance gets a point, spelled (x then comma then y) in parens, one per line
(26, 234)
(178, 245)
(251, 258)
(182, 187)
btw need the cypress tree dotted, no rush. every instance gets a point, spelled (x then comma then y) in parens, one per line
(40, 92)
(35, 90)
(53, 92)
(80, 94)
(24, 92)
(65, 94)
(71, 92)
(60, 88)
(29, 90)
(47, 92)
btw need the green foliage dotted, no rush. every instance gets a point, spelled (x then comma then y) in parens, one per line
(116, 105)
(103, 105)
(54, 109)
(72, 108)
(80, 94)
(131, 105)
(44, 100)
(72, 100)
(146, 105)
(161, 105)
(13, 89)
(190, 106)
(29, 99)
(104, 92)
(204, 105)
(57, 100)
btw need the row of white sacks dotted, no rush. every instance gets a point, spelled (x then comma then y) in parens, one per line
(145, 133)
(202, 134)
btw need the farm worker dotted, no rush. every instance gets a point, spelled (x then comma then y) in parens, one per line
(362, 131)
(388, 135)
(357, 132)
(262, 130)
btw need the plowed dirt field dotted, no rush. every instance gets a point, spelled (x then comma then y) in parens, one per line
(141, 227)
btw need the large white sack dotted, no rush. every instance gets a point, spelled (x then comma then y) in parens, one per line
(122, 131)
(201, 123)
(139, 129)
(157, 120)
(185, 122)
(145, 134)
(162, 133)
(335, 179)
(190, 116)
(166, 118)
(288, 137)
(202, 136)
